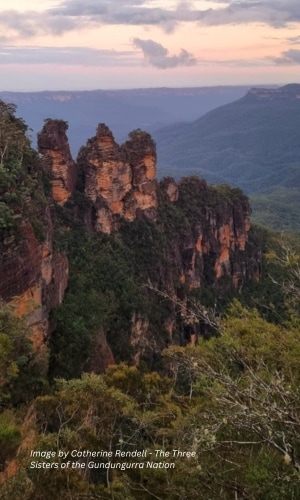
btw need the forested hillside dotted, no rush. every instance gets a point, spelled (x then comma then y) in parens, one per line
(149, 337)
(252, 143)
(278, 208)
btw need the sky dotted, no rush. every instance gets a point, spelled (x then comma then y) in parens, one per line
(111, 44)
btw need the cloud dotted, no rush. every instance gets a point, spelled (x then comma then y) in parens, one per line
(123, 12)
(71, 15)
(74, 56)
(94, 7)
(288, 58)
(275, 13)
(30, 23)
(155, 54)
(158, 56)
(137, 12)
(294, 40)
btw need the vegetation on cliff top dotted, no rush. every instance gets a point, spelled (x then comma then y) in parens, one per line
(21, 177)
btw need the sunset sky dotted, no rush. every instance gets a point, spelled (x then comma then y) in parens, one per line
(94, 44)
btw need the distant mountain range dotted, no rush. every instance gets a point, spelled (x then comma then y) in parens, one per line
(122, 110)
(253, 143)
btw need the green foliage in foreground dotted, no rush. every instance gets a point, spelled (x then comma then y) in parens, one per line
(233, 400)
(10, 436)
(22, 377)
(22, 370)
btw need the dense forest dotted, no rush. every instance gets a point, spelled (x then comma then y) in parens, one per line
(211, 405)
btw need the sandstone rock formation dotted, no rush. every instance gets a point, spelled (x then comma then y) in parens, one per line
(33, 277)
(215, 245)
(54, 146)
(142, 199)
(119, 181)
(170, 187)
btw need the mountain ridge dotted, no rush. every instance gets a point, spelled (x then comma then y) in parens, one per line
(248, 143)
(121, 110)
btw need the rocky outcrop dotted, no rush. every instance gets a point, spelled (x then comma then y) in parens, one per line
(119, 180)
(215, 243)
(33, 277)
(57, 160)
(141, 154)
(107, 175)
(170, 187)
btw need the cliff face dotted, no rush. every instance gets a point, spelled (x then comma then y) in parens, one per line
(142, 198)
(215, 243)
(33, 277)
(119, 181)
(57, 160)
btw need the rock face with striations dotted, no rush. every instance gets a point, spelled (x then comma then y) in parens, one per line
(119, 180)
(33, 277)
(141, 153)
(215, 243)
(57, 160)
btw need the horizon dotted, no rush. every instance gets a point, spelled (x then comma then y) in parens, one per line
(113, 45)
(119, 89)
